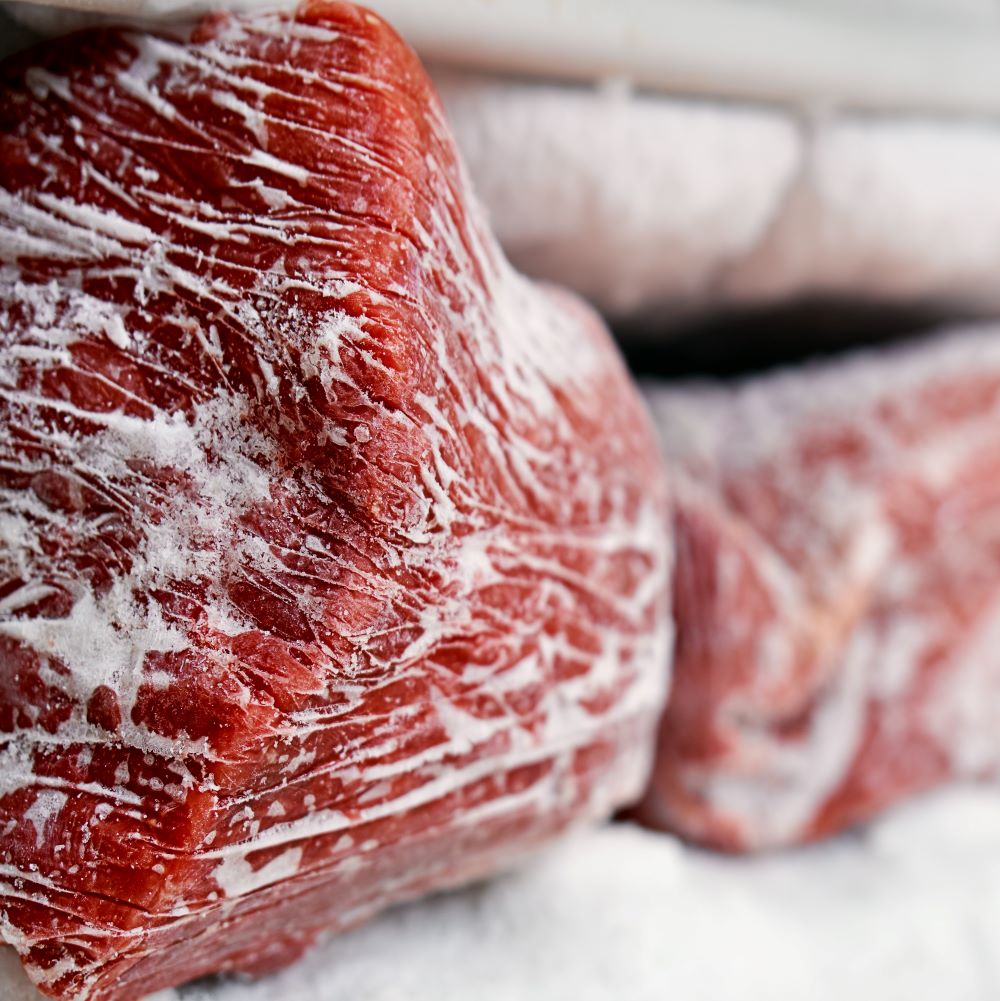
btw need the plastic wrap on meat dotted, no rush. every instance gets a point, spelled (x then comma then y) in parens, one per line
(837, 592)
(332, 567)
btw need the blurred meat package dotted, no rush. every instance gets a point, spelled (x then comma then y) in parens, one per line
(325, 580)
(837, 591)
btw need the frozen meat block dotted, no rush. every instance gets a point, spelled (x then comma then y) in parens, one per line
(326, 578)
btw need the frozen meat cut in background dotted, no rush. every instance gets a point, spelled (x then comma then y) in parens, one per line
(658, 208)
(325, 579)
(636, 200)
(836, 591)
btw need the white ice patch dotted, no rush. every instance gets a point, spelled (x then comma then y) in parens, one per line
(45, 809)
(236, 877)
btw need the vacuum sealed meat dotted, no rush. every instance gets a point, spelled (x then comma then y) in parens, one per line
(837, 591)
(326, 578)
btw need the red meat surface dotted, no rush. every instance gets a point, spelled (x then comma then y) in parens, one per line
(332, 563)
(837, 592)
